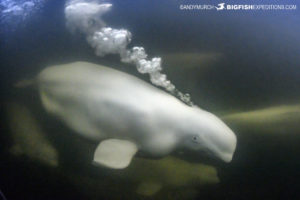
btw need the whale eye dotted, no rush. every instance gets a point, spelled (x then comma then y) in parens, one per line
(196, 138)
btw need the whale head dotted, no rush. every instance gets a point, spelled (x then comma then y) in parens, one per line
(204, 132)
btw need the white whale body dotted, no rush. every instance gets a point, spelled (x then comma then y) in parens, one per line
(125, 115)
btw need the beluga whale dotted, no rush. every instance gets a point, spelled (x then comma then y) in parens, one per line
(125, 115)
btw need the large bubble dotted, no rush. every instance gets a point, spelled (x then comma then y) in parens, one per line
(85, 17)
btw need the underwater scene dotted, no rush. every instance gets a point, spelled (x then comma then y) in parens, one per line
(149, 99)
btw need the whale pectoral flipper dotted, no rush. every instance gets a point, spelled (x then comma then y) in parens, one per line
(115, 153)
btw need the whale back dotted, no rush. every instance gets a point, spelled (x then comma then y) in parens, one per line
(92, 98)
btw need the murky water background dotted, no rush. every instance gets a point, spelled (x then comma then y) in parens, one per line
(230, 62)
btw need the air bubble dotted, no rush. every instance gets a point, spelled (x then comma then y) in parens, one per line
(85, 17)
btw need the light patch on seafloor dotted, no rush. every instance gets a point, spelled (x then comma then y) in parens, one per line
(170, 172)
(148, 177)
(191, 60)
(277, 119)
(28, 137)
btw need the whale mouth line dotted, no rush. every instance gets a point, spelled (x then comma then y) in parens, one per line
(216, 153)
(226, 157)
(205, 156)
